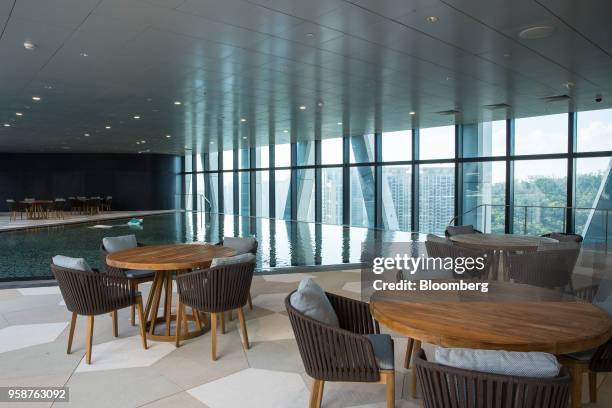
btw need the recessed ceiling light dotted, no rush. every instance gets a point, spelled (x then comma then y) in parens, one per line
(168, 136)
(138, 143)
(432, 19)
(302, 107)
(29, 45)
(136, 117)
(320, 104)
(36, 98)
(339, 123)
(18, 114)
(212, 142)
(7, 125)
(285, 131)
(84, 54)
(413, 113)
(86, 134)
(177, 102)
(244, 137)
(569, 85)
(536, 32)
(309, 35)
(143, 141)
(242, 119)
(107, 127)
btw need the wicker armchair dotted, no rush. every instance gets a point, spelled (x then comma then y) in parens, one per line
(58, 207)
(594, 361)
(91, 294)
(564, 237)
(215, 290)
(231, 243)
(136, 277)
(453, 230)
(14, 208)
(552, 268)
(449, 387)
(342, 353)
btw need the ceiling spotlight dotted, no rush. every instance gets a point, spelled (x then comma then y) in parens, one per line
(84, 54)
(244, 137)
(36, 98)
(18, 114)
(107, 127)
(7, 125)
(137, 142)
(302, 107)
(309, 35)
(242, 119)
(29, 45)
(320, 104)
(177, 102)
(339, 123)
(413, 113)
(136, 117)
(168, 136)
(143, 141)
(569, 85)
(86, 134)
(432, 19)
(536, 32)
(285, 131)
(212, 142)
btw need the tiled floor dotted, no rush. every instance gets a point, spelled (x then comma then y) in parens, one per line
(33, 333)
(6, 224)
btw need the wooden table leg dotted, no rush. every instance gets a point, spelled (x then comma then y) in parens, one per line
(151, 295)
(155, 305)
(413, 377)
(168, 305)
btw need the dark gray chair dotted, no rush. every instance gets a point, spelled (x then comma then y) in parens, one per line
(453, 230)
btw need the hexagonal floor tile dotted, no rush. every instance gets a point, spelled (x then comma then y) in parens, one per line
(27, 335)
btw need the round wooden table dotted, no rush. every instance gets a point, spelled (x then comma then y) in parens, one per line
(37, 209)
(500, 245)
(166, 260)
(509, 316)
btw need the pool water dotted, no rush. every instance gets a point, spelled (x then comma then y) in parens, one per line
(26, 254)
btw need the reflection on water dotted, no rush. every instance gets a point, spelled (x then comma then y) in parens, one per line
(27, 254)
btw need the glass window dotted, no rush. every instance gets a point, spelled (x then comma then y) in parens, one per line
(188, 197)
(484, 139)
(437, 143)
(262, 157)
(244, 159)
(331, 151)
(436, 197)
(212, 191)
(592, 192)
(282, 155)
(484, 192)
(331, 206)
(228, 160)
(199, 162)
(397, 146)
(540, 188)
(262, 188)
(362, 149)
(305, 153)
(362, 196)
(213, 161)
(188, 163)
(200, 190)
(396, 197)
(245, 192)
(228, 192)
(541, 134)
(305, 195)
(282, 180)
(594, 130)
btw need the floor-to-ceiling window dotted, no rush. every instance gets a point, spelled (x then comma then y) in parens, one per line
(517, 168)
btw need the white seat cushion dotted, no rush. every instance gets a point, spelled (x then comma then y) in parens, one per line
(520, 364)
(230, 260)
(241, 245)
(311, 300)
(114, 244)
(67, 262)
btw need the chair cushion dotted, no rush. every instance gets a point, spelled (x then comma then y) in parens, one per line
(137, 274)
(383, 350)
(312, 301)
(114, 244)
(241, 245)
(582, 355)
(67, 262)
(520, 364)
(459, 230)
(231, 260)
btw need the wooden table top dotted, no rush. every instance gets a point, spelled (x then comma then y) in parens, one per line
(168, 257)
(504, 242)
(522, 318)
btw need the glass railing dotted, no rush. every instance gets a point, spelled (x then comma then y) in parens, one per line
(192, 202)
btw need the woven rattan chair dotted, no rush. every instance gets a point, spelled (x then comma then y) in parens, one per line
(252, 250)
(107, 204)
(91, 294)
(594, 361)
(13, 209)
(58, 207)
(342, 353)
(215, 290)
(448, 387)
(136, 277)
(564, 237)
(551, 268)
(453, 230)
